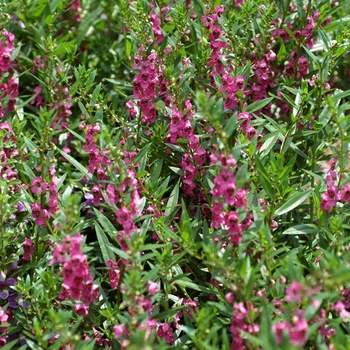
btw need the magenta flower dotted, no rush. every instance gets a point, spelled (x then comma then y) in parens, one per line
(114, 274)
(119, 331)
(166, 332)
(152, 287)
(38, 185)
(294, 292)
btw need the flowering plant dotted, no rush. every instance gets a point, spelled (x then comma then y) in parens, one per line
(174, 175)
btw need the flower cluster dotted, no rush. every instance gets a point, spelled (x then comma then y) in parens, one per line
(12, 300)
(8, 153)
(61, 105)
(8, 81)
(296, 329)
(114, 273)
(333, 194)
(148, 84)
(211, 22)
(39, 186)
(77, 279)
(226, 195)
(239, 323)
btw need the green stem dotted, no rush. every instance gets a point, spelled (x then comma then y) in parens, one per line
(314, 148)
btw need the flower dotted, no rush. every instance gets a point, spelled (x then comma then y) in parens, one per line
(38, 185)
(165, 331)
(152, 287)
(294, 292)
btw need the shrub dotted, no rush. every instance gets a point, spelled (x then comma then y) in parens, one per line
(174, 175)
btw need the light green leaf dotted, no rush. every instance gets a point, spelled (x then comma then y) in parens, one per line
(104, 243)
(74, 162)
(194, 286)
(106, 224)
(292, 202)
(258, 105)
(303, 229)
(173, 199)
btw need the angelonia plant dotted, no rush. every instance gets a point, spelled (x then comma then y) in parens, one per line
(174, 174)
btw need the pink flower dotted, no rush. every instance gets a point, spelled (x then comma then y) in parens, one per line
(114, 274)
(166, 332)
(279, 328)
(124, 218)
(294, 292)
(119, 331)
(39, 214)
(298, 333)
(38, 185)
(3, 318)
(28, 249)
(81, 309)
(152, 287)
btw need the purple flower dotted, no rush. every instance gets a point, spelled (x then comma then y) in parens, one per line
(5, 288)
(21, 207)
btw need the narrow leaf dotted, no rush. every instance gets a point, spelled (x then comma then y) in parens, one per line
(303, 229)
(296, 199)
(74, 162)
(258, 105)
(194, 286)
(107, 253)
(106, 224)
(173, 199)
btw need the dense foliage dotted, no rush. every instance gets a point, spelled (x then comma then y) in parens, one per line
(174, 175)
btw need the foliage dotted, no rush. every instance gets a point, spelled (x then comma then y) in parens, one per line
(174, 175)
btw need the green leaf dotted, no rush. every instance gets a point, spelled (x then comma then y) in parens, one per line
(258, 105)
(264, 177)
(292, 202)
(269, 143)
(64, 47)
(312, 56)
(173, 199)
(194, 286)
(86, 24)
(338, 95)
(32, 148)
(81, 138)
(28, 171)
(170, 313)
(120, 253)
(231, 125)
(157, 168)
(106, 224)
(303, 229)
(15, 52)
(38, 10)
(142, 153)
(185, 226)
(324, 38)
(104, 243)
(80, 167)
(162, 188)
(54, 4)
(84, 110)
(128, 47)
(10, 345)
(246, 269)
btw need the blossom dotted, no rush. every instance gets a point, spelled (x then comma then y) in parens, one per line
(77, 280)
(28, 249)
(165, 331)
(119, 330)
(294, 292)
(38, 185)
(152, 287)
(114, 273)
